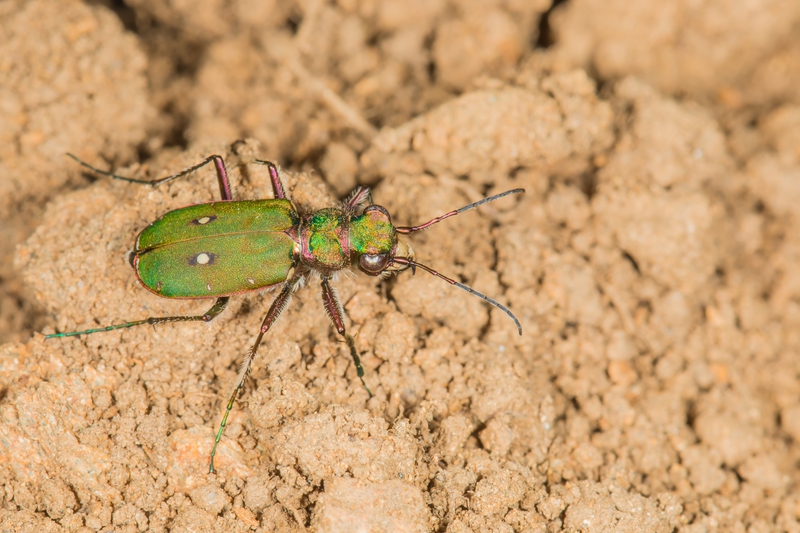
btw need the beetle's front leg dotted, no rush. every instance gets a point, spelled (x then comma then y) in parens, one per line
(336, 313)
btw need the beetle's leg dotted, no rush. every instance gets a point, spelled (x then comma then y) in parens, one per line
(336, 313)
(358, 197)
(278, 305)
(219, 165)
(277, 186)
(208, 316)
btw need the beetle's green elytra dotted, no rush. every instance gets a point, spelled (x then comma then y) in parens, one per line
(223, 248)
(218, 218)
(217, 249)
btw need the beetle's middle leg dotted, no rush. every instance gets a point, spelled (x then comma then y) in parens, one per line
(336, 313)
(278, 305)
(277, 186)
(208, 316)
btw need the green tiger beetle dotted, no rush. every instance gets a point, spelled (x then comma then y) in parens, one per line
(218, 249)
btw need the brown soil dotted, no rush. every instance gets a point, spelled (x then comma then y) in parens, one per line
(653, 263)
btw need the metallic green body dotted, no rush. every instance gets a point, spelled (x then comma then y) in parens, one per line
(222, 248)
(217, 249)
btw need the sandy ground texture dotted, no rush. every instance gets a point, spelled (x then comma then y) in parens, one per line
(652, 262)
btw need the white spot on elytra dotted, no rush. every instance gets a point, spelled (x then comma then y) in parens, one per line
(208, 286)
(204, 220)
(203, 259)
(251, 281)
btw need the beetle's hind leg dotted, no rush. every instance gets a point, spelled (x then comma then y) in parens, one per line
(219, 166)
(208, 316)
(336, 313)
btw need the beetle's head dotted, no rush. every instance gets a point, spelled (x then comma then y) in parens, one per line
(373, 241)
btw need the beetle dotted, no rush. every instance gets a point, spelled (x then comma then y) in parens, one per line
(228, 247)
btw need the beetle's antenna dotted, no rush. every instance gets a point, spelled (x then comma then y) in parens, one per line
(413, 265)
(411, 229)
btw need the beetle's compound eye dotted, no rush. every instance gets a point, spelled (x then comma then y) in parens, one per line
(378, 212)
(373, 263)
